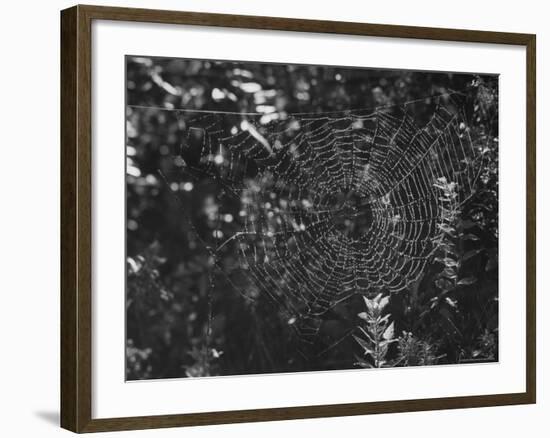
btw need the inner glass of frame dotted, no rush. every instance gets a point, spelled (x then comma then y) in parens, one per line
(291, 218)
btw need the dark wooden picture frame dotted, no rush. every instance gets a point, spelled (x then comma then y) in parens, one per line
(76, 218)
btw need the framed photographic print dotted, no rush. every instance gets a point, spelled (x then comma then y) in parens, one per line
(268, 218)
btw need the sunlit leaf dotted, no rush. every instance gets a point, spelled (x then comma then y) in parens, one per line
(467, 281)
(388, 333)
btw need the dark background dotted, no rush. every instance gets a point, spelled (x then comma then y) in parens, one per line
(170, 298)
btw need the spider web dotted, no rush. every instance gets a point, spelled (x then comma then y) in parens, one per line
(331, 204)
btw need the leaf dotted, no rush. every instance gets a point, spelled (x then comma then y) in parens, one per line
(470, 236)
(363, 316)
(472, 253)
(445, 228)
(216, 354)
(364, 345)
(384, 344)
(367, 335)
(449, 273)
(467, 281)
(388, 333)
(449, 261)
(362, 363)
(450, 302)
(384, 318)
(134, 266)
(369, 304)
(384, 302)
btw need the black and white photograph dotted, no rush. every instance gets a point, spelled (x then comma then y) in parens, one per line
(285, 218)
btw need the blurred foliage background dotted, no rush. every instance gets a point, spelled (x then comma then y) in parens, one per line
(184, 320)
